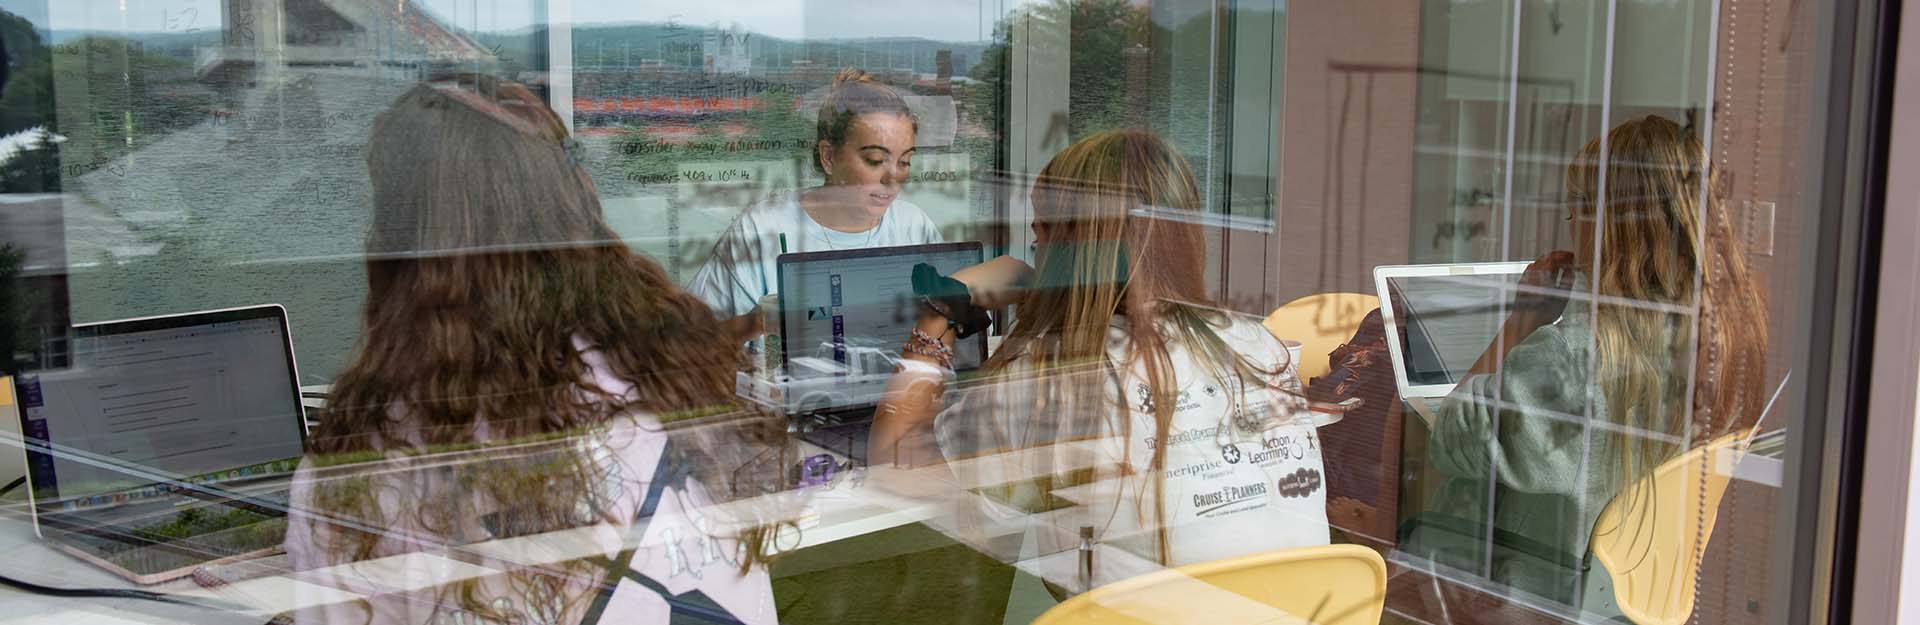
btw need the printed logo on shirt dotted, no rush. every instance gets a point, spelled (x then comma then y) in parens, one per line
(1230, 453)
(1176, 438)
(1203, 469)
(1300, 483)
(1283, 448)
(1208, 503)
(1183, 400)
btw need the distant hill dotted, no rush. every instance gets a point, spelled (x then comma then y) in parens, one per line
(623, 45)
(150, 39)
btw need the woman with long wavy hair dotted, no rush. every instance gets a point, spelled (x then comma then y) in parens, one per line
(1578, 400)
(1177, 421)
(527, 397)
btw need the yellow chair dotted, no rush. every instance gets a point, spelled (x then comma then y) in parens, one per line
(1331, 585)
(1651, 538)
(1320, 323)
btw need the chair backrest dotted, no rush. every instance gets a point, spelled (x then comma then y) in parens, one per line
(1650, 538)
(1320, 323)
(1330, 585)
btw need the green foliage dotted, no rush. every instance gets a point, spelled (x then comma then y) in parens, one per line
(1103, 30)
(123, 97)
(777, 118)
(28, 99)
(26, 103)
(1097, 33)
(34, 169)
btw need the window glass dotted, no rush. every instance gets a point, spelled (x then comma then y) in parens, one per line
(796, 311)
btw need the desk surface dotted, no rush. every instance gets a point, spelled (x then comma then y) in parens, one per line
(888, 498)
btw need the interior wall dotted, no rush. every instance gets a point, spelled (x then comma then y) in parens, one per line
(1346, 144)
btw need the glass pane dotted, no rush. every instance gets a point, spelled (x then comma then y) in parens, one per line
(798, 311)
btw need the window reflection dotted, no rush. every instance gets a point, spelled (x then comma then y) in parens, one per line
(828, 311)
(1587, 388)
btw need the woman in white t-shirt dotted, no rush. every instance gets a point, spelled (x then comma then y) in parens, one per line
(865, 150)
(1119, 401)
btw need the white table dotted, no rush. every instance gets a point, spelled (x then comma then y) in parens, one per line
(887, 499)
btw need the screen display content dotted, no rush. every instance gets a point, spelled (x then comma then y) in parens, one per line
(1450, 320)
(204, 403)
(849, 315)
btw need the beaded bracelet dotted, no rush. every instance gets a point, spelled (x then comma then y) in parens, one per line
(924, 344)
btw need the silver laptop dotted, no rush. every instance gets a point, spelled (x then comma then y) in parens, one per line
(167, 444)
(1449, 314)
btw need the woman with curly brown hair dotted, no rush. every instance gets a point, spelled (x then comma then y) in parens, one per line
(530, 403)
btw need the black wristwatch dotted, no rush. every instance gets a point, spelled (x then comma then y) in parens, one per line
(949, 298)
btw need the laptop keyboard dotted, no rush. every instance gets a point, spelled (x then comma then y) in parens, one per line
(192, 536)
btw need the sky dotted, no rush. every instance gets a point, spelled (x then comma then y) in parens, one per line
(944, 20)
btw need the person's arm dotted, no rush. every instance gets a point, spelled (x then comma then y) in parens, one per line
(902, 430)
(1531, 310)
(1528, 423)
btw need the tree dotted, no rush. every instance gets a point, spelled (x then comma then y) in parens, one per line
(1096, 35)
(33, 169)
(1102, 31)
(28, 97)
(129, 97)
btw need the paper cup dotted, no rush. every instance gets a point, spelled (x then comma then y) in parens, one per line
(1294, 351)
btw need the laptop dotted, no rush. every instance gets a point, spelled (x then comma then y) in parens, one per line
(167, 443)
(844, 315)
(1439, 319)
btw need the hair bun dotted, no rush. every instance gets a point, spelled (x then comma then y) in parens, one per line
(851, 74)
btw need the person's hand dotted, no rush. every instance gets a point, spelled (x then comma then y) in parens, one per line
(1544, 293)
(999, 282)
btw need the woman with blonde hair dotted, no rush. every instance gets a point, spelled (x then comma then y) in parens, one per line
(864, 149)
(529, 402)
(1177, 421)
(1663, 348)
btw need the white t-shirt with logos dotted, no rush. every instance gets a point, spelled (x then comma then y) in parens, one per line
(1242, 471)
(741, 269)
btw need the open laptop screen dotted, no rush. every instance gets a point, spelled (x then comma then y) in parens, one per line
(1449, 320)
(844, 313)
(206, 398)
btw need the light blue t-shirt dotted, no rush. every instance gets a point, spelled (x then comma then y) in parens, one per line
(741, 268)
